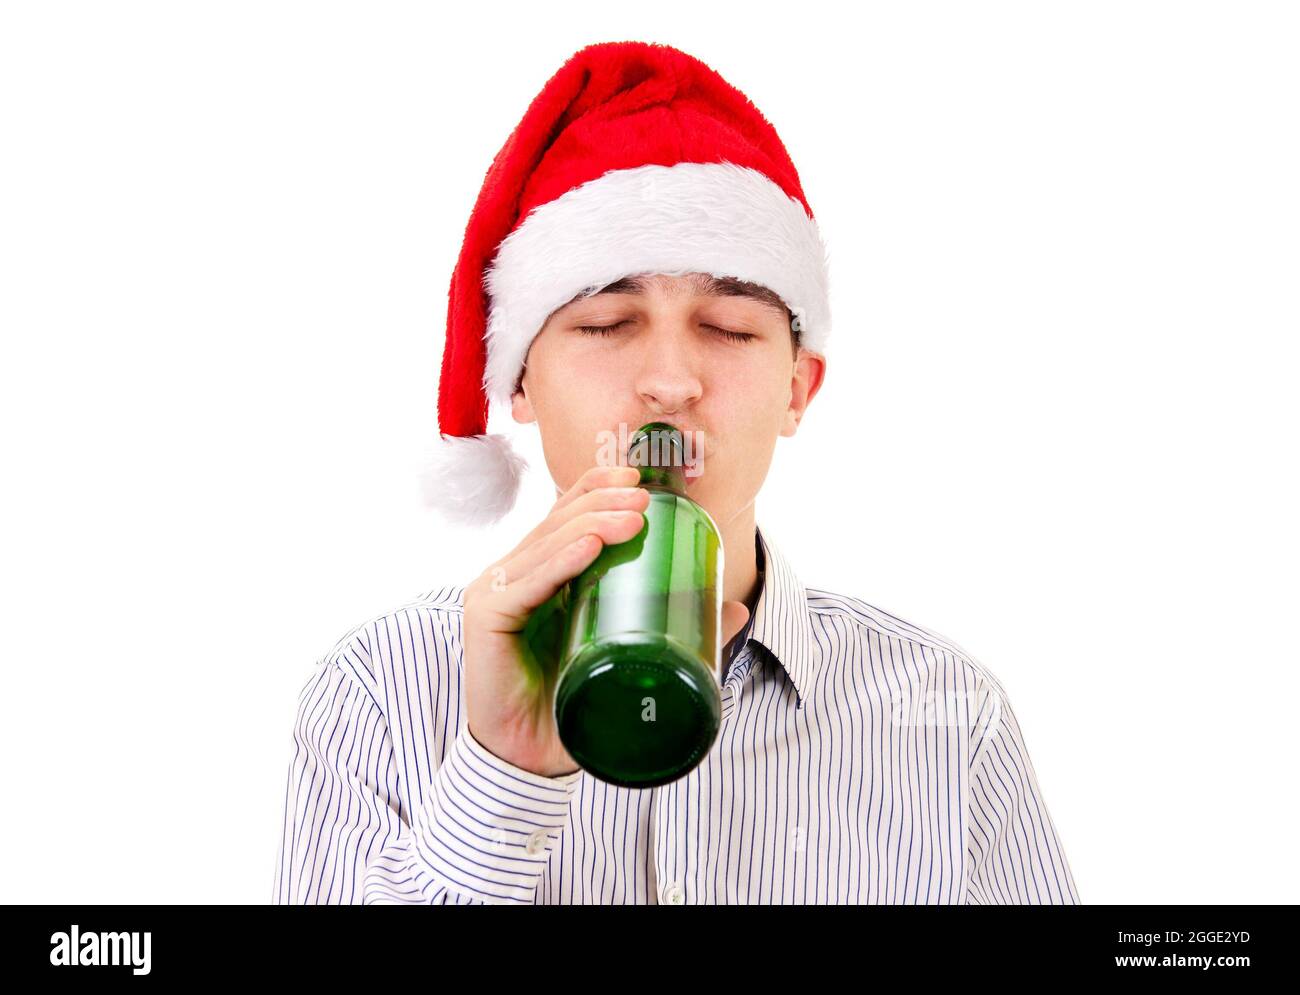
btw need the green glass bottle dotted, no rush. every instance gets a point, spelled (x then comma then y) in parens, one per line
(637, 700)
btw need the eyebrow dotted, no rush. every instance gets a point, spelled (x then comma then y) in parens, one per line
(703, 284)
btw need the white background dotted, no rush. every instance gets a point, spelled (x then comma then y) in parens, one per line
(1059, 424)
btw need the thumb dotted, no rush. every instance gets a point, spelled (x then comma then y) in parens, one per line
(734, 617)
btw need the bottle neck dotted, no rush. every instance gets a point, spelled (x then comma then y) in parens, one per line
(671, 478)
(658, 453)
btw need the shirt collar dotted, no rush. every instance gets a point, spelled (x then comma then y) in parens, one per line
(780, 620)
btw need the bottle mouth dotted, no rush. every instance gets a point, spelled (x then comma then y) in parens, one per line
(659, 445)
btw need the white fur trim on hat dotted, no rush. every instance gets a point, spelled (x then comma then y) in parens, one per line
(472, 480)
(717, 218)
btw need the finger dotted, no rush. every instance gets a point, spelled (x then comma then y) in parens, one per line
(603, 499)
(593, 478)
(599, 476)
(612, 526)
(520, 599)
(633, 499)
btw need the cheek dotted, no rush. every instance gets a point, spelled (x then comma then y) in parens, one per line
(562, 381)
(759, 395)
(581, 371)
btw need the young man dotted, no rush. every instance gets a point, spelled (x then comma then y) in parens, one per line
(642, 251)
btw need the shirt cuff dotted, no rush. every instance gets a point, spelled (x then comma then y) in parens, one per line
(487, 827)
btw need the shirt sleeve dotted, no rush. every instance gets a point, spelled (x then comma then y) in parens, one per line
(482, 835)
(1014, 851)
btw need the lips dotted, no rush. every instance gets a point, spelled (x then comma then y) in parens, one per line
(700, 461)
(698, 458)
(693, 479)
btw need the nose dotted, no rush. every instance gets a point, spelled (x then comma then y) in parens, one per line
(668, 380)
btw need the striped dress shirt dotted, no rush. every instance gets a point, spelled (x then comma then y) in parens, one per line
(861, 759)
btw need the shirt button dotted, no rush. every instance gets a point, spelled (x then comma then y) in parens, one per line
(675, 895)
(536, 843)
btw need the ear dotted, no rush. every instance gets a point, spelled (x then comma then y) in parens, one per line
(521, 409)
(809, 374)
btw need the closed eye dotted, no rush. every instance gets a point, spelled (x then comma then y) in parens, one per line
(600, 329)
(605, 330)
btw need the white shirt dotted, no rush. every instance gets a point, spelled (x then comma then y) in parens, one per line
(861, 759)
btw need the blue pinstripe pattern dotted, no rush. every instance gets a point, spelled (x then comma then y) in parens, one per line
(861, 759)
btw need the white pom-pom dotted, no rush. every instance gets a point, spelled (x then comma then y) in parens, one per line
(472, 480)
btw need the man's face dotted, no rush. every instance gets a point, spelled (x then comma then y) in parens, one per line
(718, 366)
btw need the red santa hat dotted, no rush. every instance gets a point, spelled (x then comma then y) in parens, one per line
(635, 158)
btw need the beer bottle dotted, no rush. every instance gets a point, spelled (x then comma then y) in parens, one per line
(637, 700)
